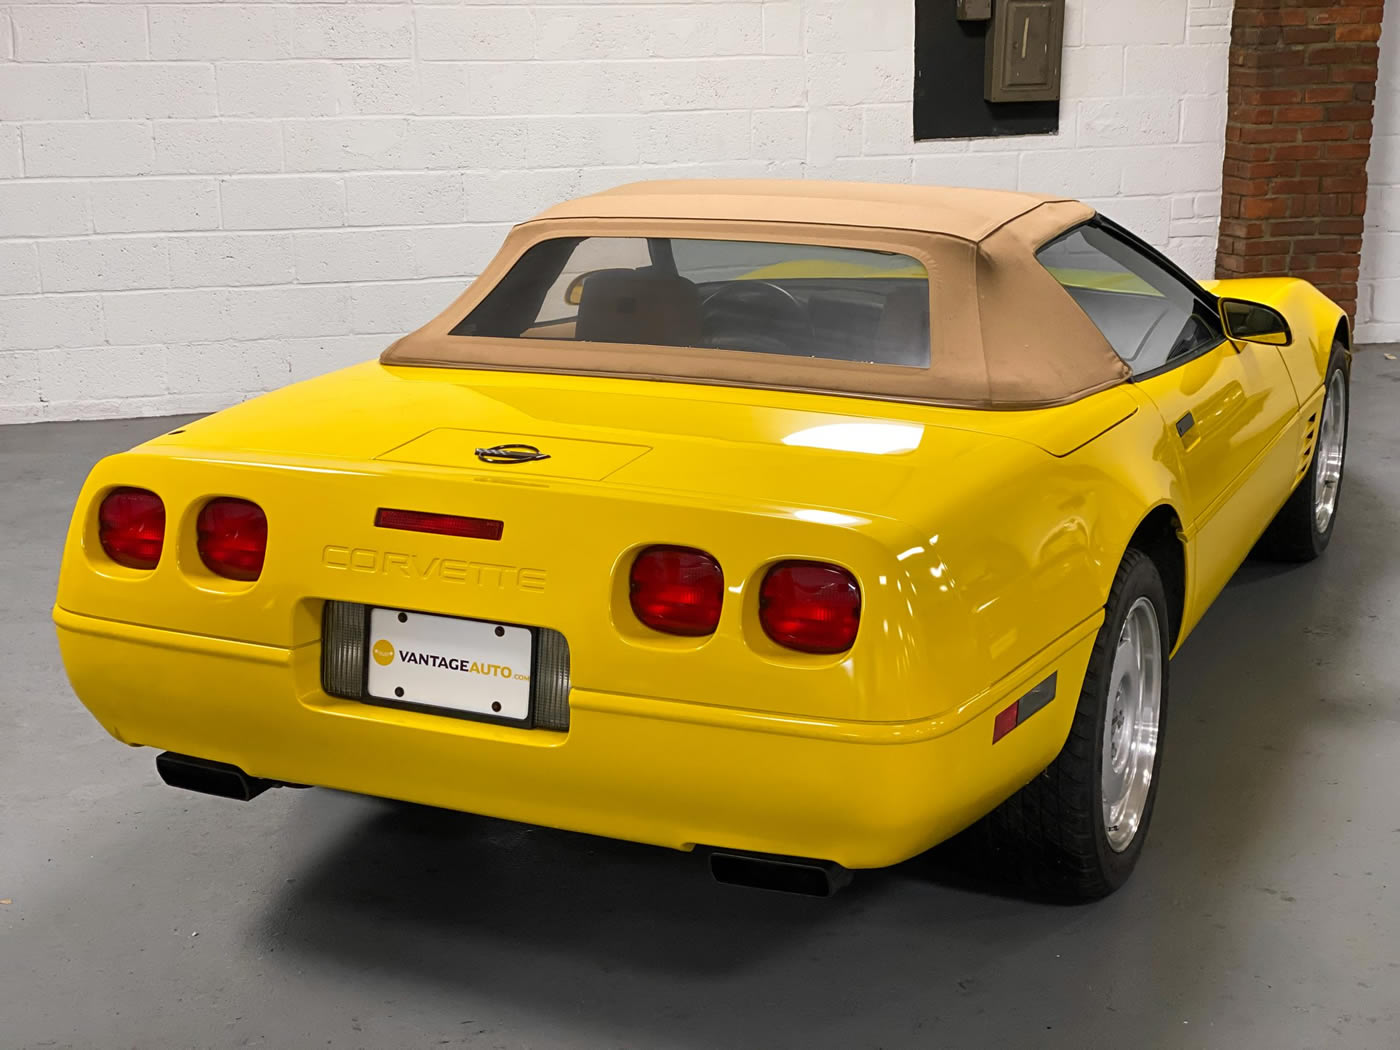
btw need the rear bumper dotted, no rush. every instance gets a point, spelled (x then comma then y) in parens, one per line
(656, 771)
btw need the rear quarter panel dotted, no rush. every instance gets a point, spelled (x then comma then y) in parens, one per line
(1033, 551)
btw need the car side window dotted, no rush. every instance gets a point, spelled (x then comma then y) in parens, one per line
(1148, 315)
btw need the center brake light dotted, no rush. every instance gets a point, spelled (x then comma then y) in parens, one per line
(233, 538)
(131, 527)
(810, 606)
(677, 590)
(439, 524)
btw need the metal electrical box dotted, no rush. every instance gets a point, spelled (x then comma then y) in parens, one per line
(1024, 43)
(974, 10)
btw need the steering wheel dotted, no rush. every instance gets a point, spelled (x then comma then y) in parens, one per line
(760, 300)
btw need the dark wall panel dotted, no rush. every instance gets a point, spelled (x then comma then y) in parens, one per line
(949, 65)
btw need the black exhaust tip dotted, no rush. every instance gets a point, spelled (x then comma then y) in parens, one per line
(209, 777)
(769, 871)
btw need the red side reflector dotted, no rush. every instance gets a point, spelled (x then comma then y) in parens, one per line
(131, 527)
(1005, 721)
(678, 590)
(810, 606)
(232, 538)
(439, 524)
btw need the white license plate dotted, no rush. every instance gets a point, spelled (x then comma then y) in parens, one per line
(474, 667)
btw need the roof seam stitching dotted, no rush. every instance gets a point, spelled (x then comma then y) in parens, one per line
(1017, 218)
(770, 222)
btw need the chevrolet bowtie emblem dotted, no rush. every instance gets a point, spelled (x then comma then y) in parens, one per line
(512, 453)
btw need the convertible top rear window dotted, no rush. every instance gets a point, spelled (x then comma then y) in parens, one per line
(796, 300)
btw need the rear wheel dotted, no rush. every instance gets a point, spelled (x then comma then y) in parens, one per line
(1076, 830)
(1302, 529)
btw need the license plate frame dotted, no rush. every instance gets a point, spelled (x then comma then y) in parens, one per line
(410, 703)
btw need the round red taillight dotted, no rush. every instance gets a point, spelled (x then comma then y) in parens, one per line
(131, 526)
(678, 590)
(233, 538)
(810, 606)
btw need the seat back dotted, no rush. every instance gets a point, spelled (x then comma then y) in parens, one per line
(903, 333)
(629, 306)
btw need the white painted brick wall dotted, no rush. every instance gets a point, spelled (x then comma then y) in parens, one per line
(200, 201)
(1378, 293)
(11, 156)
(150, 89)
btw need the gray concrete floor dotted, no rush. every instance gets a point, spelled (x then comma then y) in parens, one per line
(1264, 912)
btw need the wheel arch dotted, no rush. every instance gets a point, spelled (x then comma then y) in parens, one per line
(1343, 333)
(1159, 536)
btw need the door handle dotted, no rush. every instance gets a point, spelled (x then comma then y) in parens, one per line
(1184, 425)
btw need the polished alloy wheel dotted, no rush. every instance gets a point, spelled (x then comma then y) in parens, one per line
(1331, 448)
(1130, 728)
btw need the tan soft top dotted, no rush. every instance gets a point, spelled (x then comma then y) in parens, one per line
(1004, 333)
(967, 214)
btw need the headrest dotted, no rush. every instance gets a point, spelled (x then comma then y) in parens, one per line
(631, 306)
(903, 334)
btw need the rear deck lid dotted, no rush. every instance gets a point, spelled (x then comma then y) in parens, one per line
(564, 457)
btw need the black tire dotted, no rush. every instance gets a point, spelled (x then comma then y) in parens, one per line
(1050, 835)
(1293, 535)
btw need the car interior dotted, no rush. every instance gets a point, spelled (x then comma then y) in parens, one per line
(882, 319)
(850, 319)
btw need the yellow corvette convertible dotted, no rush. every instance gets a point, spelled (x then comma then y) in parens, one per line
(805, 523)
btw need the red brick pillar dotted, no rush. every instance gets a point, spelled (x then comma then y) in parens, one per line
(1297, 138)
